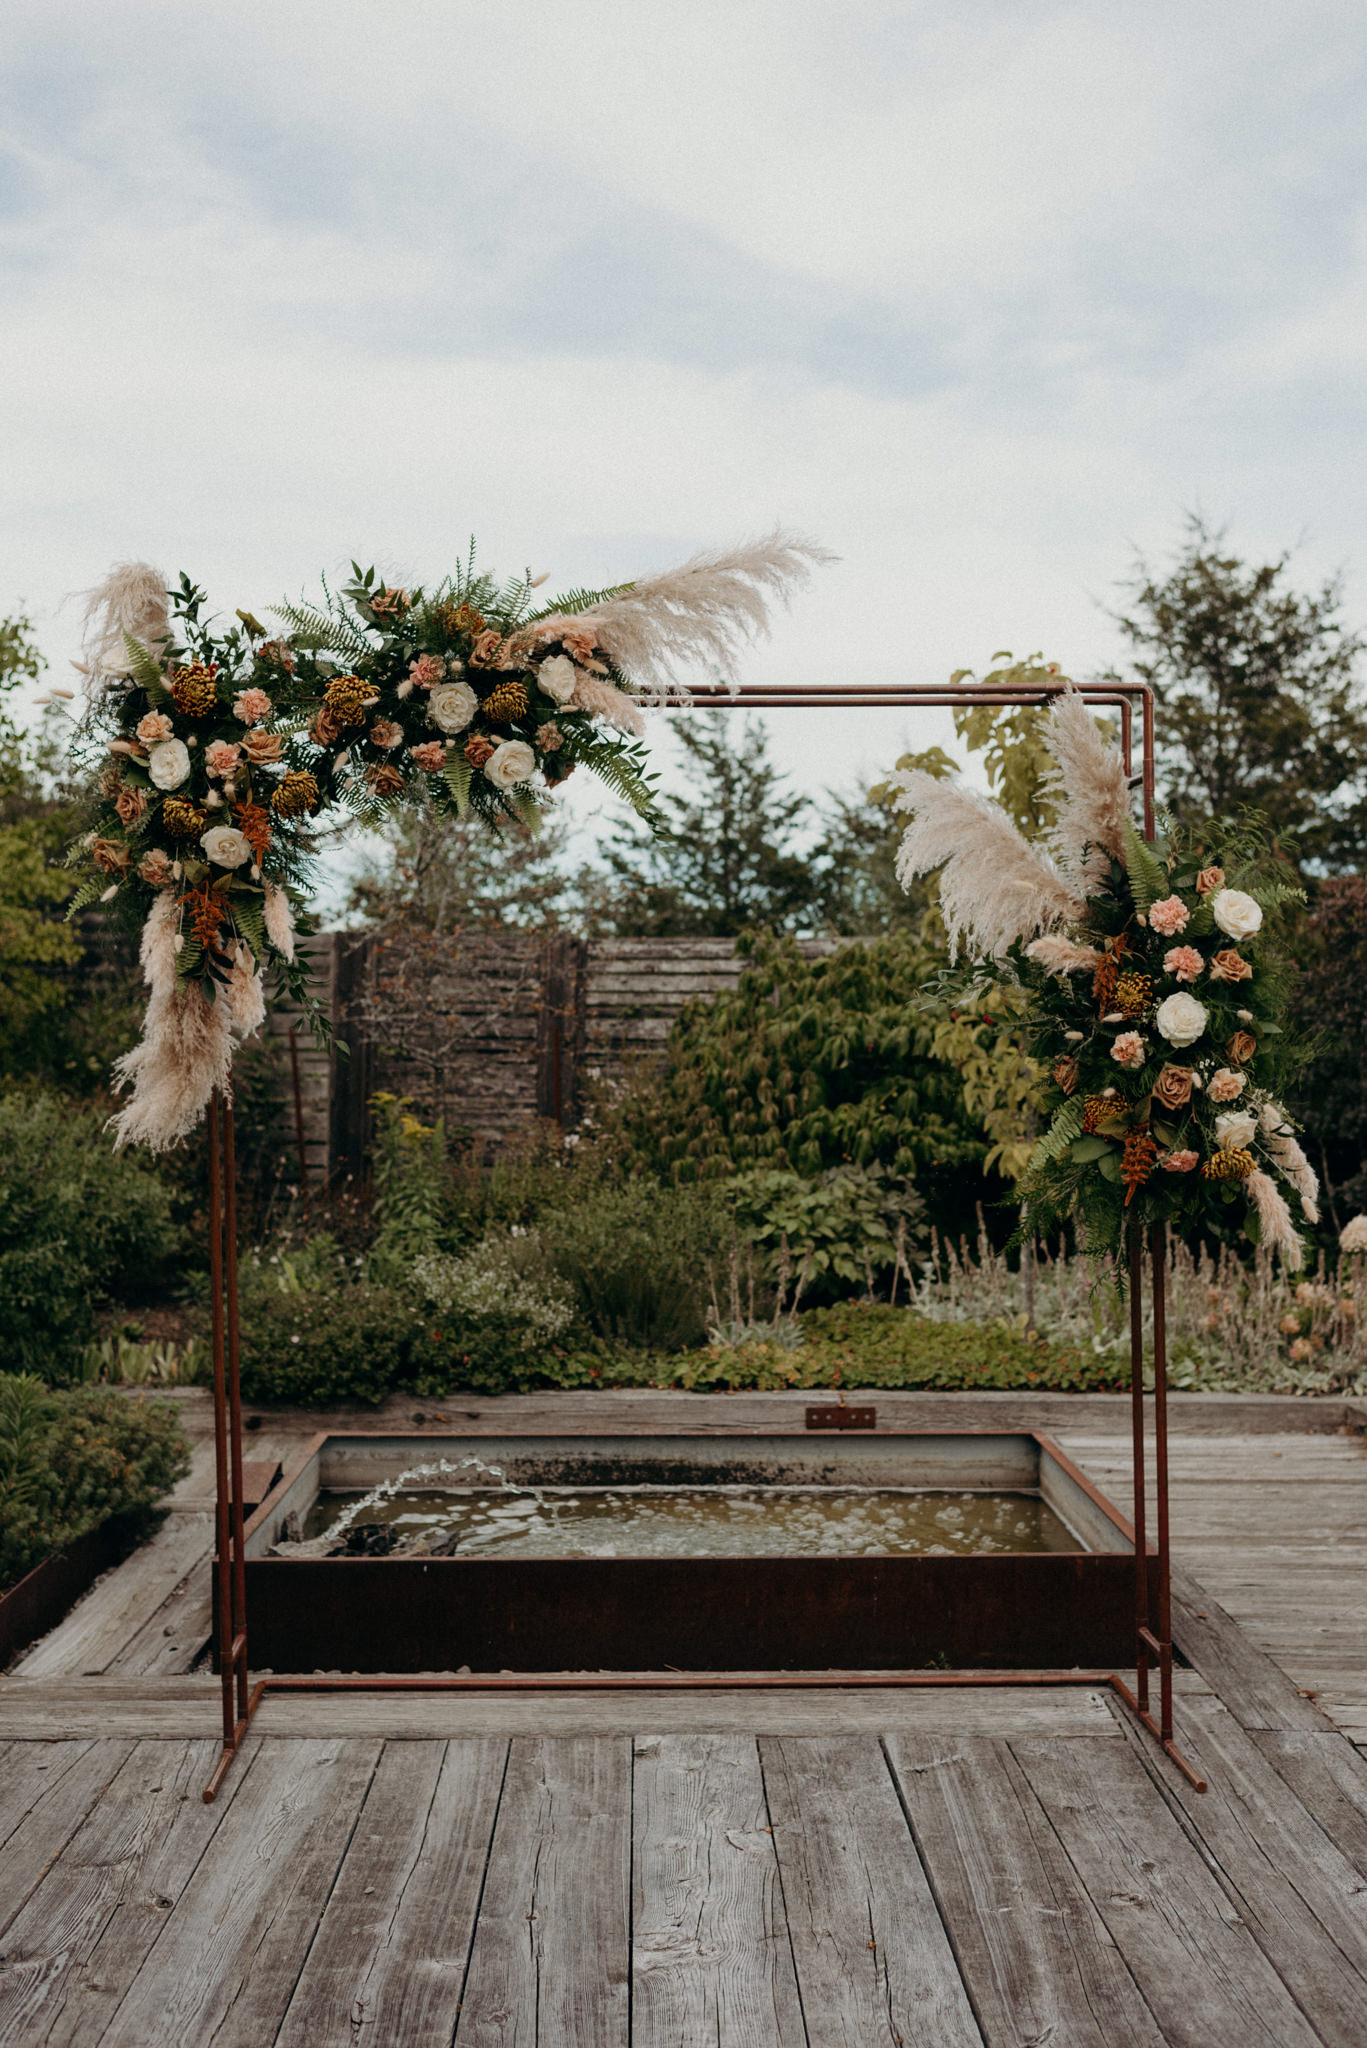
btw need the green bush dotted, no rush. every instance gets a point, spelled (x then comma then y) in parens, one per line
(75, 1216)
(869, 1344)
(314, 1333)
(68, 1461)
(643, 1259)
(829, 1232)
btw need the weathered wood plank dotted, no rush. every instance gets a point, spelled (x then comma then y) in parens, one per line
(711, 1959)
(1033, 1951)
(873, 1960)
(390, 1956)
(1258, 1692)
(171, 1640)
(73, 1951)
(230, 1952)
(1329, 1777)
(100, 1625)
(56, 1808)
(1201, 1972)
(190, 1706)
(28, 1771)
(1301, 1896)
(551, 1957)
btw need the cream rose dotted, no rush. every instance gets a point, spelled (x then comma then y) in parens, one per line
(168, 764)
(510, 764)
(1181, 1019)
(558, 677)
(452, 706)
(1237, 915)
(1235, 1130)
(225, 846)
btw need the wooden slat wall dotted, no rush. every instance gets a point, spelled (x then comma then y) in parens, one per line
(488, 1030)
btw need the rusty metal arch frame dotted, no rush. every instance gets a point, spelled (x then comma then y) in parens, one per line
(1153, 1616)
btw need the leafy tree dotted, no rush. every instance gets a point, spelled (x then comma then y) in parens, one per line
(854, 866)
(726, 858)
(1328, 1009)
(33, 939)
(812, 1064)
(436, 875)
(1261, 699)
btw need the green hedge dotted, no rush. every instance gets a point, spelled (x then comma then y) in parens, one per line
(68, 1461)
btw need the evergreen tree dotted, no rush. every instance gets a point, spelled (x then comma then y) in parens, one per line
(1260, 698)
(433, 875)
(726, 858)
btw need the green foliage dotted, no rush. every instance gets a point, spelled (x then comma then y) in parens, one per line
(811, 1064)
(34, 940)
(70, 1461)
(75, 1218)
(869, 1344)
(641, 1258)
(412, 1202)
(1260, 696)
(313, 1332)
(1327, 1013)
(825, 1234)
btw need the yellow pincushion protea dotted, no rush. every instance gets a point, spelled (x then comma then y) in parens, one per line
(297, 795)
(194, 689)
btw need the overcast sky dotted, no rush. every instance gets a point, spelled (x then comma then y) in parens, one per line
(982, 296)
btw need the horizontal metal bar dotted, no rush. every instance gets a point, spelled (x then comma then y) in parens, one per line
(681, 1681)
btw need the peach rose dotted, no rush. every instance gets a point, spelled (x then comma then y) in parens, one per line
(324, 731)
(478, 749)
(384, 778)
(387, 734)
(110, 855)
(1241, 1048)
(1173, 1087)
(261, 747)
(130, 804)
(485, 652)
(1209, 880)
(1230, 966)
(388, 603)
(1065, 1073)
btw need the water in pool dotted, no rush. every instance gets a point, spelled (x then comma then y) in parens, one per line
(703, 1521)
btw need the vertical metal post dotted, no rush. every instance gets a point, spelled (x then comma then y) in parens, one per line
(1158, 1249)
(1141, 1509)
(222, 1504)
(239, 1573)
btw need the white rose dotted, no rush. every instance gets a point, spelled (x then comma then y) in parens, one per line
(168, 763)
(1236, 914)
(452, 706)
(225, 846)
(1181, 1019)
(510, 764)
(558, 677)
(1235, 1129)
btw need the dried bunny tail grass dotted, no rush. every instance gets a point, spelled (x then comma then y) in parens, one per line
(602, 699)
(1286, 1150)
(246, 997)
(132, 599)
(705, 611)
(1279, 1232)
(1089, 788)
(279, 916)
(994, 888)
(1059, 955)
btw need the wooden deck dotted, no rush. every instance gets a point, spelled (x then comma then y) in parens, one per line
(946, 1866)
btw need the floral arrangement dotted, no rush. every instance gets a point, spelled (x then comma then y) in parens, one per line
(222, 748)
(1153, 999)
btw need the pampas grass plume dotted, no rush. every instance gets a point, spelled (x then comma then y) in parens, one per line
(1279, 1232)
(1089, 789)
(131, 599)
(1060, 955)
(994, 889)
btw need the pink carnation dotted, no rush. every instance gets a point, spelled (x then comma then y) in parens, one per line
(430, 755)
(155, 727)
(427, 670)
(1169, 917)
(1184, 962)
(1180, 1162)
(252, 706)
(1128, 1049)
(221, 757)
(1226, 1086)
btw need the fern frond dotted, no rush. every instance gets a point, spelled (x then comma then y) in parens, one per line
(1066, 1126)
(578, 601)
(313, 629)
(145, 669)
(1148, 876)
(249, 917)
(456, 775)
(619, 767)
(87, 893)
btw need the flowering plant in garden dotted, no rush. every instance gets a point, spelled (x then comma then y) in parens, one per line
(1153, 1000)
(224, 745)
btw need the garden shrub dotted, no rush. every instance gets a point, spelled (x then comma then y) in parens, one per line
(314, 1331)
(642, 1258)
(69, 1461)
(75, 1217)
(838, 1229)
